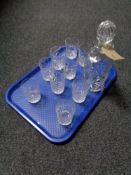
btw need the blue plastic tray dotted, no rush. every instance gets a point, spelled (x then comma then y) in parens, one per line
(42, 115)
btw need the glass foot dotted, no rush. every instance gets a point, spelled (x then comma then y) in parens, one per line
(96, 87)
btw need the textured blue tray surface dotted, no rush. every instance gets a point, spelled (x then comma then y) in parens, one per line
(42, 115)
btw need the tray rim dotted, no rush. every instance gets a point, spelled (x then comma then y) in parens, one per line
(27, 117)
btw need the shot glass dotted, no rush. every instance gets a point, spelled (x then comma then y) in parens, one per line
(46, 68)
(65, 110)
(30, 90)
(58, 58)
(100, 73)
(70, 69)
(57, 82)
(80, 88)
(72, 45)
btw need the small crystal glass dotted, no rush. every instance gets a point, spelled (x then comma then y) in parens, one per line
(82, 58)
(57, 82)
(72, 45)
(100, 73)
(70, 69)
(30, 90)
(106, 33)
(94, 53)
(58, 58)
(46, 68)
(80, 88)
(65, 110)
(87, 74)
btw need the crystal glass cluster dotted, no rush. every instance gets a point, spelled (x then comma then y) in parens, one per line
(86, 71)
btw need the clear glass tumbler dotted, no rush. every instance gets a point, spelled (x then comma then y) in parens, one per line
(83, 58)
(70, 69)
(30, 90)
(72, 45)
(80, 88)
(65, 110)
(100, 73)
(57, 82)
(106, 32)
(58, 58)
(46, 68)
(94, 53)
